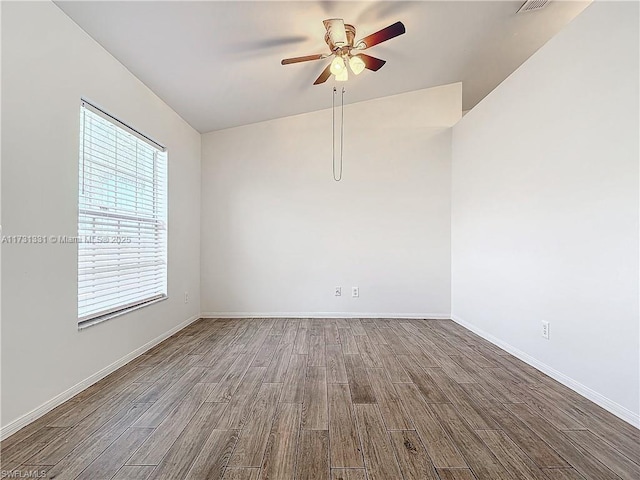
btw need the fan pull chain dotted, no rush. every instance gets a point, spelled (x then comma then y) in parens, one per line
(336, 177)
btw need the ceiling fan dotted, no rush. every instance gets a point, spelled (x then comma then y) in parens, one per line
(340, 39)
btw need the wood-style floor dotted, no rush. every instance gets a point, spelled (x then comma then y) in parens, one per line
(326, 399)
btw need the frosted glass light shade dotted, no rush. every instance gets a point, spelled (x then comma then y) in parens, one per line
(357, 64)
(338, 66)
(343, 76)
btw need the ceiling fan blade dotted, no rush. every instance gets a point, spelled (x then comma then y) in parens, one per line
(324, 76)
(307, 58)
(372, 63)
(336, 31)
(381, 36)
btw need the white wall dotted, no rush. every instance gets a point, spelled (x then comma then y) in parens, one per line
(545, 208)
(48, 63)
(278, 234)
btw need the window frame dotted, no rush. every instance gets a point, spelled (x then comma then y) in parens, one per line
(159, 215)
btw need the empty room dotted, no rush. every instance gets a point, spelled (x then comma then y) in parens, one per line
(320, 240)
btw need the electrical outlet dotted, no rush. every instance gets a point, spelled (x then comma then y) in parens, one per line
(338, 292)
(355, 292)
(545, 330)
(186, 297)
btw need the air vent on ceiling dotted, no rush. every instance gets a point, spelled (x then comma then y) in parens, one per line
(532, 5)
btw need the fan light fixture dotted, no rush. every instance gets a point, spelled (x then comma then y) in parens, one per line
(340, 70)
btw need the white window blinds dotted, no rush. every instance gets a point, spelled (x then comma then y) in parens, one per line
(122, 217)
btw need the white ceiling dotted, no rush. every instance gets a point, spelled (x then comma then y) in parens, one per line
(218, 63)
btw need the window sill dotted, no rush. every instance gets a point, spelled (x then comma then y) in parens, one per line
(103, 318)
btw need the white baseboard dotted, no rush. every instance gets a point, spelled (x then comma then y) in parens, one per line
(606, 403)
(426, 316)
(49, 405)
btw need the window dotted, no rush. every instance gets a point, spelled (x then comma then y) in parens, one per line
(122, 218)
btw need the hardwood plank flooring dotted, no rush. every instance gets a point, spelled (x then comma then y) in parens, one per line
(179, 459)
(484, 464)
(579, 458)
(293, 386)
(242, 400)
(87, 451)
(393, 413)
(255, 434)
(425, 383)
(266, 352)
(442, 450)
(368, 352)
(455, 474)
(115, 456)
(511, 457)
(241, 474)
(160, 441)
(317, 351)
(473, 413)
(331, 334)
(134, 472)
(15, 455)
(376, 444)
(391, 365)
(290, 331)
(301, 343)
(62, 444)
(562, 474)
(315, 412)
(336, 371)
(214, 456)
(346, 451)
(412, 457)
(228, 384)
(313, 455)
(348, 341)
(280, 455)
(348, 474)
(325, 399)
(361, 391)
(167, 402)
(277, 369)
(607, 454)
(526, 439)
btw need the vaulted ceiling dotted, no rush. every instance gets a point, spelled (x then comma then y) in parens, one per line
(218, 63)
